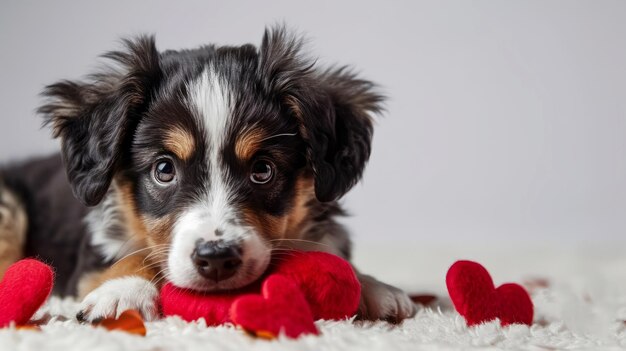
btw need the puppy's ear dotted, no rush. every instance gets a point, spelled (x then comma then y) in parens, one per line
(343, 142)
(334, 109)
(96, 119)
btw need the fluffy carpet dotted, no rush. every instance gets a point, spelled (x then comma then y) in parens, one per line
(580, 302)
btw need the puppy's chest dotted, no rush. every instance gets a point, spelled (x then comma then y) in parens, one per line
(109, 230)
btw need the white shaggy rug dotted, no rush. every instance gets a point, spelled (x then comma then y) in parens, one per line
(579, 297)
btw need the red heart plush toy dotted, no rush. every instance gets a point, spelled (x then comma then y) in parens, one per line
(25, 287)
(326, 282)
(477, 299)
(281, 308)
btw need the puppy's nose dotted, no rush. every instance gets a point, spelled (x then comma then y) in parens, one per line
(216, 260)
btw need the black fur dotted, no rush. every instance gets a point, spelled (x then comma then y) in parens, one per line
(96, 119)
(334, 107)
(111, 126)
(56, 231)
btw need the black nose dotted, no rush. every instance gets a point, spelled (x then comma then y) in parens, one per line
(216, 260)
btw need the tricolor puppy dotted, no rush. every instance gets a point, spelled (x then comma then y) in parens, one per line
(193, 166)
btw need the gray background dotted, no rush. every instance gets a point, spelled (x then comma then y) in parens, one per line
(506, 123)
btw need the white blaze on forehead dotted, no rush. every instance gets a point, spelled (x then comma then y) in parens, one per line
(210, 100)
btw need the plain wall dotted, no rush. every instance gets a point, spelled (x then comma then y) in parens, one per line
(506, 120)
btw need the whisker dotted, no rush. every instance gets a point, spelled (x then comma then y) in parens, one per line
(155, 264)
(152, 247)
(160, 251)
(300, 241)
(279, 135)
(159, 280)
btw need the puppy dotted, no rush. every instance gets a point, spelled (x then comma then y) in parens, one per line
(196, 167)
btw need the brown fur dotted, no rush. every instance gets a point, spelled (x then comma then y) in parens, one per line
(290, 225)
(152, 233)
(136, 227)
(159, 238)
(9, 254)
(296, 219)
(134, 265)
(13, 226)
(294, 106)
(248, 143)
(180, 142)
(144, 263)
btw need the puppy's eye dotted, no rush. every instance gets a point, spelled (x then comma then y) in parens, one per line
(262, 172)
(164, 171)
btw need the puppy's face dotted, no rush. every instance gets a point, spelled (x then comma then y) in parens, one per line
(216, 152)
(218, 176)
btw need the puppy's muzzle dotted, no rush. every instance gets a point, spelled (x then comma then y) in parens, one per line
(216, 260)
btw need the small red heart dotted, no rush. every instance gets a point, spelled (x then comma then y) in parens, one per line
(328, 282)
(25, 287)
(281, 308)
(477, 299)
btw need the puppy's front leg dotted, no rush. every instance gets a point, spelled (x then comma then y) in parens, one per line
(128, 284)
(380, 301)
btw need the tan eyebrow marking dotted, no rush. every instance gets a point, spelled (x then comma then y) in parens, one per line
(180, 142)
(248, 143)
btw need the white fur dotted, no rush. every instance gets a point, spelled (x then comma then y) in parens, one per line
(198, 223)
(582, 308)
(99, 222)
(210, 99)
(118, 295)
(382, 301)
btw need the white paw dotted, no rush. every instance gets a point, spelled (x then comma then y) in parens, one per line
(380, 301)
(118, 295)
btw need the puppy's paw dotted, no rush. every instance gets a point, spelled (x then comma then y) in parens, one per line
(118, 295)
(380, 301)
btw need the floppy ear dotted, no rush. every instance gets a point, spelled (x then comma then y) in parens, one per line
(334, 109)
(343, 144)
(95, 119)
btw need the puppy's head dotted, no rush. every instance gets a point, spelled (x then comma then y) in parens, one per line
(215, 154)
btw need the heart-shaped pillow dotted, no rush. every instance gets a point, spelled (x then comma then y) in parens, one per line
(477, 299)
(280, 308)
(327, 282)
(191, 305)
(25, 287)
